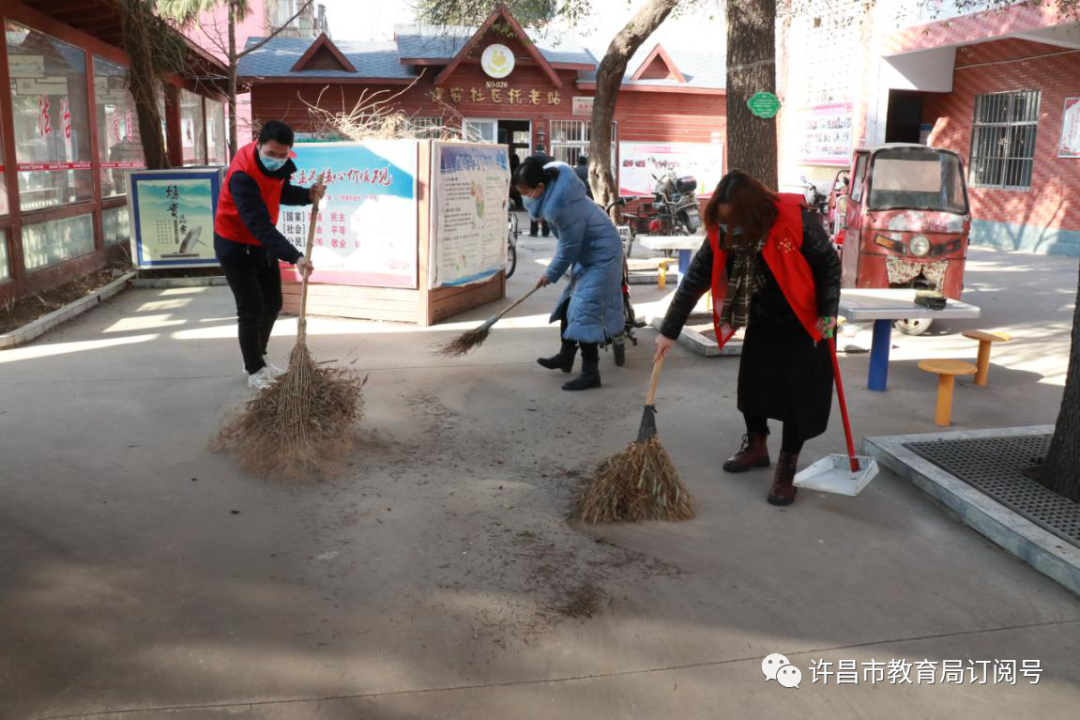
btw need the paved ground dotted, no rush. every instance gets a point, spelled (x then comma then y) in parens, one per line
(143, 577)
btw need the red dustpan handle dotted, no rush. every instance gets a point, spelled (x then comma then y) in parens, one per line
(843, 405)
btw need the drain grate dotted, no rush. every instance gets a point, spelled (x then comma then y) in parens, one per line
(995, 466)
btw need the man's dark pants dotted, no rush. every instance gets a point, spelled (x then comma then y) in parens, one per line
(255, 280)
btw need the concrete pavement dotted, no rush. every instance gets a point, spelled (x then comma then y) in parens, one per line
(437, 577)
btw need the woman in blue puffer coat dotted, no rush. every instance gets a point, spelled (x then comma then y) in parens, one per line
(590, 310)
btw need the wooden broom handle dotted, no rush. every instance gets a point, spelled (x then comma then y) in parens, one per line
(517, 302)
(655, 380)
(302, 325)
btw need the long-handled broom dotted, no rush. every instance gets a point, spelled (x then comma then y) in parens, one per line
(472, 339)
(307, 419)
(641, 482)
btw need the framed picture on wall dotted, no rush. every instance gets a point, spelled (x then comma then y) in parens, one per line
(172, 217)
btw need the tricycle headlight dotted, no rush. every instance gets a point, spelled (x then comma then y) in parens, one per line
(919, 246)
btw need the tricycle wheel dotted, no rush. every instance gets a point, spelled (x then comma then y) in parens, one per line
(619, 348)
(914, 326)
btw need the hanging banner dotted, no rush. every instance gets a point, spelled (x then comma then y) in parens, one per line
(825, 133)
(641, 163)
(365, 232)
(470, 189)
(172, 217)
(1069, 146)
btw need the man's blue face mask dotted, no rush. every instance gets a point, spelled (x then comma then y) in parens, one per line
(272, 164)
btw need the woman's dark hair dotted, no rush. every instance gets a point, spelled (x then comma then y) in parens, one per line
(753, 207)
(530, 173)
(278, 132)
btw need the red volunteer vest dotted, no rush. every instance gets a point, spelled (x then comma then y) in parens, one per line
(787, 264)
(227, 222)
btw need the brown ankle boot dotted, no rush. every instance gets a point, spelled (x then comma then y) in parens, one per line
(783, 491)
(752, 454)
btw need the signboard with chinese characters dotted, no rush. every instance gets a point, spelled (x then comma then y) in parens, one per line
(641, 163)
(824, 134)
(1069, 146)
(365, 232)
(583, 106)
(470, 186)
(497, 93)
(172, 217)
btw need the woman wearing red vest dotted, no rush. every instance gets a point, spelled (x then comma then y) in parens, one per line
(772, 270)
(249, 246)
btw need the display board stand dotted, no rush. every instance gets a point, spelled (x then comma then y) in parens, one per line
(422, 306)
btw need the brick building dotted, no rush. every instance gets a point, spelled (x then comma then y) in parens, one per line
(1000, 87)
(498, 84)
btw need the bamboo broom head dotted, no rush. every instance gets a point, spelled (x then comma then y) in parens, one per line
(640, 483)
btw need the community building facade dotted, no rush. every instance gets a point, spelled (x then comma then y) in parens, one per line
(499, 83)
(69, 135)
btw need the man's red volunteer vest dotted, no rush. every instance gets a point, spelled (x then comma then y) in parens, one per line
(785, 261)
(228, 223)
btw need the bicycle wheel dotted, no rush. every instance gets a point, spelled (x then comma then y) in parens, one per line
(515, 231)
(511, 258)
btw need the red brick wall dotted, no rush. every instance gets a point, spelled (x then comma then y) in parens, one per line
(1006, 66)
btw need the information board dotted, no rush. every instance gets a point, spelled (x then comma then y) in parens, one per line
(172, 217)
(640, 162)
(824, 134)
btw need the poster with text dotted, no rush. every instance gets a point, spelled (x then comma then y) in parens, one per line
(824, 134)
(365, 232)
(640, 162)
(1069, 146)
(470, 189)
(172, 217)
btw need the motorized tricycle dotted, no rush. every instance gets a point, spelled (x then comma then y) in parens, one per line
(900, 219)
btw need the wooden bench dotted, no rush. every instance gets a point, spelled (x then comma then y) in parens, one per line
(982, 364)
(947, 371)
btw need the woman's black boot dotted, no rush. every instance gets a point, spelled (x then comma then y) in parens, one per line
(589, 377)
(564, 360)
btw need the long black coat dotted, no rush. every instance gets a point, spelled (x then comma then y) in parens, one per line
(783, 373)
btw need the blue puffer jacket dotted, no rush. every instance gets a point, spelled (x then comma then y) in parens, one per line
(590, 245)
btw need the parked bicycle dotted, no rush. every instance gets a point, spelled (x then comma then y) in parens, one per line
(513, 232)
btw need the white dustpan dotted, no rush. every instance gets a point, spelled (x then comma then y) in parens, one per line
(840, 474)
(833, 474)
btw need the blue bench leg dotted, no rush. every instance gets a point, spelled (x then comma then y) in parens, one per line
(684, 262)
(879, 355)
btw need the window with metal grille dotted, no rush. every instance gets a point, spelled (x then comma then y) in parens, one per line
(1003, 139)
(430, 128)
(571, 138)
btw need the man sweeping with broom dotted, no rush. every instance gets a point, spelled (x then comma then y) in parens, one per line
(249, 246)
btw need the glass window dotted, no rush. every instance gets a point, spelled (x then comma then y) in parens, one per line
(116, 225)
(52, 124)
(917, 179)
(192, 128)
(570, 138)
(859, 180)
(216, 141)
(1003, 139)
(429, 128)
(5, 269)
(118, 127)
(53, 242)
(3, 179)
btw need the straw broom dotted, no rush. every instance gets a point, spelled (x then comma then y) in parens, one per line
(306, 420)
(472, 339)
(641, 482)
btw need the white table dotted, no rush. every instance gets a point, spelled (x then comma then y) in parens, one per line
(685, 244)
(884, 307)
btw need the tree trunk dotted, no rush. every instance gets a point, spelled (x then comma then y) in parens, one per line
(1061, 473)
(608, 83)
(233, 61)
(751, 68)
(143, 81)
